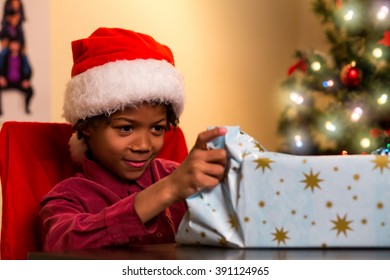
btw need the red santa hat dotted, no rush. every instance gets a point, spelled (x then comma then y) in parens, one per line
(116, 68)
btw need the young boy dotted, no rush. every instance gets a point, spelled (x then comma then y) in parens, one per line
(124, 94)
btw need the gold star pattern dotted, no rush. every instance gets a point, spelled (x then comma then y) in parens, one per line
(233, 222)
(280, 236)
(261, 204)
(263, 163)
(381, 162)
(259, 147)
(341, 225)
(312, 180)
(244, 154)
(222, 241)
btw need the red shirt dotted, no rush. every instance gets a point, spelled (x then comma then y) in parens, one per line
(94, 209)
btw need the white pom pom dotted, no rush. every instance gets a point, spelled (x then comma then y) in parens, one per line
(77, 148)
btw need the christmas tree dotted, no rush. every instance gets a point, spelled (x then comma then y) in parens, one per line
(339, 102)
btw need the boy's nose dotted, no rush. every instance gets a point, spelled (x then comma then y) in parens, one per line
(141, 142)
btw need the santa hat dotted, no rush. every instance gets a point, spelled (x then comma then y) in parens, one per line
(116, 68)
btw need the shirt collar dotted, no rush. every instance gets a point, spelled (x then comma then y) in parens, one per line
(99, 174)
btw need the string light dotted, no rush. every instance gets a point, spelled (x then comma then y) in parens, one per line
(348, 15)
(384, 151)
(365, 143)
(382, 13)
(356, 114)
(382, 99)
(298, 141)
(377, 53)
(328, 83)
(316, 66)
(330, 126)
(296, 98)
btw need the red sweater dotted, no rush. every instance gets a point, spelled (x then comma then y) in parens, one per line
(93, 209)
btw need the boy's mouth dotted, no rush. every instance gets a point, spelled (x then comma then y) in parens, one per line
(136, 164)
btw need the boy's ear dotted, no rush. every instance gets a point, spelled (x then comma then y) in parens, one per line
(87, 132)
(77, 148)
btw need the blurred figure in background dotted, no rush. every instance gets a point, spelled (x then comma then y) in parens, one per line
(15, 72)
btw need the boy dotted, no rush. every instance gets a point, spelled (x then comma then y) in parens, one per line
(124, 93)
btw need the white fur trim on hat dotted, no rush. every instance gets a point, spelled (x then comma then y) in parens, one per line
(116, 85)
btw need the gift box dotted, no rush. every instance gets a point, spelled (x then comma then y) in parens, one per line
(270, 199)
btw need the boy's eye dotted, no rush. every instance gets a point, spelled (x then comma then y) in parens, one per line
(125, 128)
(159, 129)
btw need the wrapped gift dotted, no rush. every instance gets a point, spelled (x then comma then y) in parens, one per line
(270, 199)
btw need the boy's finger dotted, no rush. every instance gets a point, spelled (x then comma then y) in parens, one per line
(207, 136)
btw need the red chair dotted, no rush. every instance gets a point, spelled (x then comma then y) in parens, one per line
(34, 157)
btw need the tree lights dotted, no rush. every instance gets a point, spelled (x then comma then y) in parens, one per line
(342, 105)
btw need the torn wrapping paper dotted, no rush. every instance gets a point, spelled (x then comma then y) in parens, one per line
(270, 199)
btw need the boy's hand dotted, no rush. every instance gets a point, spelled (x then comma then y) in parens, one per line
(202, 168)
(208, 136)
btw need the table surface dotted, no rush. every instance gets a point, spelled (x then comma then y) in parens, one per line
(184, 252)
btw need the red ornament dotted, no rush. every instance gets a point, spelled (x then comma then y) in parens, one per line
(350, 76)
(377, 132)
(300, 65)
(386, 39)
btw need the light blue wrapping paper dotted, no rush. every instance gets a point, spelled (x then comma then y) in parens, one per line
(270, 199)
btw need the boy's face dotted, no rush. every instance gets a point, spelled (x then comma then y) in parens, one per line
(127, 144)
